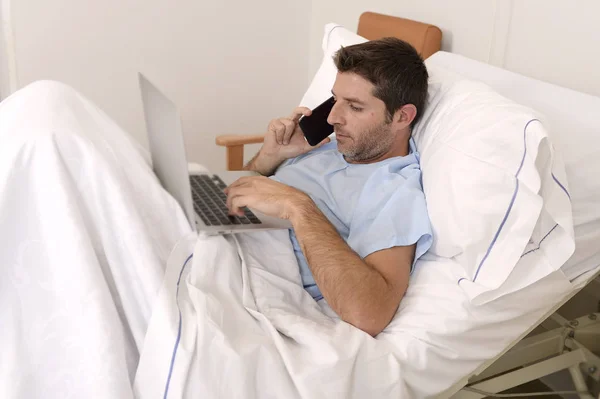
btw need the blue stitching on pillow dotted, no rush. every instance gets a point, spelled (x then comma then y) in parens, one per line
(512, 201)
(541, 241)
(561, 186)
(528, 252)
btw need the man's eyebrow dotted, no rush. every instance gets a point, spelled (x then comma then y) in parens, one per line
(351, 99)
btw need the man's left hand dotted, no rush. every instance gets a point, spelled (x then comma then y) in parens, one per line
(265, 195)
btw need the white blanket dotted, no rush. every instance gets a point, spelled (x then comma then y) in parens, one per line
(249, 330)
(85, 234)
(232, 321)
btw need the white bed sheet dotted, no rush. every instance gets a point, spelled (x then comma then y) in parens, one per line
(571, 118)
(249, 330)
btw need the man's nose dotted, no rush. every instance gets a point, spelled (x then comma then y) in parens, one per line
(334, 117)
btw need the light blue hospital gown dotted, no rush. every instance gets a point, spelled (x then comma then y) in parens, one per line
(372, 206)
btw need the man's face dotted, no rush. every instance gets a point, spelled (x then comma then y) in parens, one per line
(359, 119)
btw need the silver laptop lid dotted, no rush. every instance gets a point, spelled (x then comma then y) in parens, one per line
(167, 148)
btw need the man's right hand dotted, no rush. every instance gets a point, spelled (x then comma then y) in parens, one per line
(284, 140)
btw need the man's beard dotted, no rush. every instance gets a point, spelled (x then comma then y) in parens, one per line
(370, 145)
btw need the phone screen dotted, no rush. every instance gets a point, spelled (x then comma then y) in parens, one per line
(315, 126)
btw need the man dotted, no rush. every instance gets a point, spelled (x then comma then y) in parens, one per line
(356, 204)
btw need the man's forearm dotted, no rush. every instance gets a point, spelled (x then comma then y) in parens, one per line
(355, 291)
(263, 164)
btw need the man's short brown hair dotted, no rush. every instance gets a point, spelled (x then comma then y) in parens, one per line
(394, 67)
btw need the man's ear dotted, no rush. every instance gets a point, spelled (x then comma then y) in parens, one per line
(405, 115)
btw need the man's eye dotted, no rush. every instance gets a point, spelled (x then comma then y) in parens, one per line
(354, 108)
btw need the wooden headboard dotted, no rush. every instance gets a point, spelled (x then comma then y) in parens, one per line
(427, 39)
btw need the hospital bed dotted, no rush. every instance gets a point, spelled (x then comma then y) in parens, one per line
(559, 344)
(227, 317)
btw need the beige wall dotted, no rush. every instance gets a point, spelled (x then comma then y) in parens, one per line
(551, 40)
(556, 41)
(230, 66)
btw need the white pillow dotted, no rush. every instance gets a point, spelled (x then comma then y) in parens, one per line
(494, 186)
(334, 38)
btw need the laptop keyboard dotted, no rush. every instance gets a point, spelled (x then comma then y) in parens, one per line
(210, 202)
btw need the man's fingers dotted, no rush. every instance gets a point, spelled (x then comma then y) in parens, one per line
(278, 128)
(240, 190)
(284, 128)
(299, 112)
(233, 201)
(239, 182)
(231, 191)
(238, 202)
(290, 126)
(246, 180)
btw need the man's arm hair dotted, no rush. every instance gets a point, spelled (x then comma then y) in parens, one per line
(263, 165)
(365, 293)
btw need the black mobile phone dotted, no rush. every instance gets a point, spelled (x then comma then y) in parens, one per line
(315, 126)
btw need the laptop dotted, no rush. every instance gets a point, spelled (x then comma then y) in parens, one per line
(200, 195)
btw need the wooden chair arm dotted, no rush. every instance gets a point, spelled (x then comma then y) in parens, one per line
(227, 140)
(234, 145)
